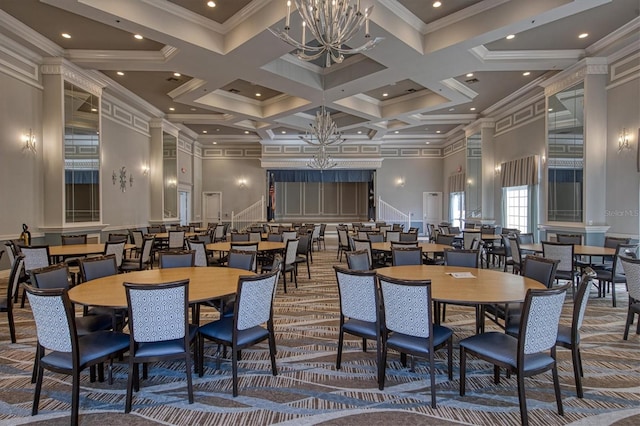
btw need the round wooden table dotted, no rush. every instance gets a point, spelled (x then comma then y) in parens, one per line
(262, 245)
(426, 247)
(80, 249)
(205, 283)
(487, 287)
(578, 250)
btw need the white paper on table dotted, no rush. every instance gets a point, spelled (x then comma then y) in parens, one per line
(461, 274)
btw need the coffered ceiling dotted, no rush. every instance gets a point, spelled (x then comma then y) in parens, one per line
(221, 73)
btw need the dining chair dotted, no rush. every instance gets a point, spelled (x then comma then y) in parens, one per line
(176, 259)
(516, 255)
(241, 259)
(464, 259)
(359, 309)
(95, 267)
(631, 269)
(289, 235)
(255, 236)
(609, 277)
(343, 242)
(176, 240)
(408, 236)
(159, 329)
(239, 236)
(358, 260)
(531, 353)
(409, 328)
(136, 236)
(144, 259)
(115, 247)
(392, 236)
(563, 252)
(537, 268)
(303, 253)
(6, 303)
(248, 246)
(321, 236)
(364, 244)
(375, 237)
(253, 309)
(401, 256)
(445, 239)
(201, 257)
(61, 349)
(569, 238)
(569, 336)
(118, 237)
(274, 237)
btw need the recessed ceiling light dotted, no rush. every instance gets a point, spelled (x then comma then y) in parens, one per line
(204, 131)
(550, 109)
(385, 95)
(396, 132)
(177, 74)
(472, 109)
(211, 3)
(284, 132)
(94, 109)
(511, 37)
(526, 73)
(470, 74)
(192, 109)
(359, 132)
(427, 143)
(217, 130)
(437, 131)
(246, 132)
(437, 3)
(172, 109)
(452, 109)
(583, 35)
(120, 73)
(66, 35)
(258, 95)
(138, 37)
(214, 143)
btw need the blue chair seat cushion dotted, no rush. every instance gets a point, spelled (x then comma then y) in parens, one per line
(504, 349)
(222, 331)
(607, 275)
(92, 347)
(361, 328)
(564, 336)
(92, 323)
(166, 347)
(404, 342)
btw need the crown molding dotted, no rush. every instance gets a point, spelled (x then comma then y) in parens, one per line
(518, 95)
(72, 73)
(342, 164)
(119, 56)
(458, 87)
(463, 14)
(9, 23)
(630, 28)
(125, 95)
(405, 15)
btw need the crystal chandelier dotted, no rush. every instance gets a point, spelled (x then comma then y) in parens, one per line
(324, 133)
(332, 23)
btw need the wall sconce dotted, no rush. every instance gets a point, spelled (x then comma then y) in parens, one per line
(242, 182)
(498, 169)
(400, 182)
(145, 170)
(29, 142)
(623, 141)
(469, 182)
(172, 183)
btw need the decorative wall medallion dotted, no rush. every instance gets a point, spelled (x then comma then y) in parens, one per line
(123, 178)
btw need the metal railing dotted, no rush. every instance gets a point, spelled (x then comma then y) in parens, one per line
(388, 213)
(253, 214)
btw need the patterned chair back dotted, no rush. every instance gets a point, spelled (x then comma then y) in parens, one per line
(14, 278)
(116, 248)
(406, 256)
(35, 257)
(408, 236)
(289, 235)
(631, 269)
(407, 306)
(393, 236)
(541, 316)
(150, 306)
(358, 260)
(250, 246)
(53, 315)
(137, 237)
(514, 247)
(176, 239)
(74, 239)
(92, 268)
(255, 236)
(626, 250)
(559, 251)
(254, 300)
(376, 237)
(200, 252)
(358, 294)
(363, 244)
(291, 251)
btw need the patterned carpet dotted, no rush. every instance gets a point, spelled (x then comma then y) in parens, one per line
(310, 391)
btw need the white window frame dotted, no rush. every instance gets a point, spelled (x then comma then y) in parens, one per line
(456, 198)
(516, 207)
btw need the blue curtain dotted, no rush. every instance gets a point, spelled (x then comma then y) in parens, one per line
(322, 176)
(78, 177)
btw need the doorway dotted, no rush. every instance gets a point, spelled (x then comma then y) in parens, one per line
(431, 209)
(184, 198)
(212, 207)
